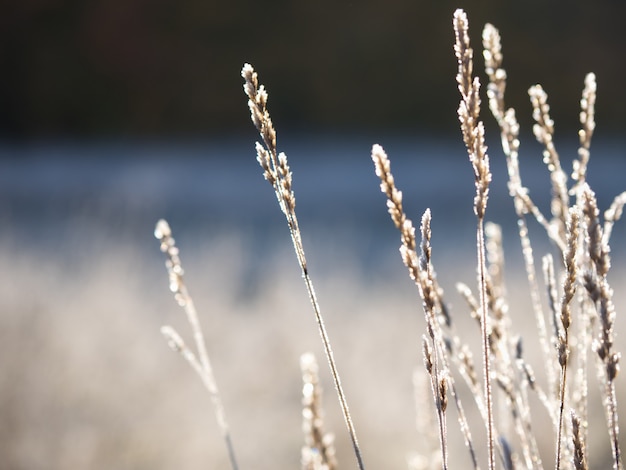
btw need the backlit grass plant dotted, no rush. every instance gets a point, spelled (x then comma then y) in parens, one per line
(575, 327)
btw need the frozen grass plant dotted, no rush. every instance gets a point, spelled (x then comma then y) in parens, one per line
(572, 301)
(276, 171)
(474, 138)
(318, 451)
(199, 360)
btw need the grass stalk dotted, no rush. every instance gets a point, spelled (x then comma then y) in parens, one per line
(473, 136)
(569, 289)
(600, 292)
(200, 363)
(277, 173)
(509, 134)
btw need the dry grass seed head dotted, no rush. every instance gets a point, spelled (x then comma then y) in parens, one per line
(509, 127)
(492, 54)
(596, 284)
(174, 267)
(428, 355)
(319, 451)
(597, 245)
(469, 110)
(257, 103)
(443, 394)
(588, 125)
(571, 266)
(580, 451)
(418, 268)
(408, 246)
(382, 167)
(544, 132)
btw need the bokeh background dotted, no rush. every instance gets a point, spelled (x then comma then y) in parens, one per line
(163, 68)
(114, 114)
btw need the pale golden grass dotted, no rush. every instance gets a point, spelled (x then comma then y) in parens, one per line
(574, 309)
(474, 137)
(198, 360)
(318, 451)
(276, 171)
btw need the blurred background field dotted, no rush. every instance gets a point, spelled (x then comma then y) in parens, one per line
(88, 381)
(115, 114)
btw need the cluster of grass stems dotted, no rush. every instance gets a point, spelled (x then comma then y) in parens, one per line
(575, 328)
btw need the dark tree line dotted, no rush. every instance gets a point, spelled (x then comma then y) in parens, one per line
(171, 67)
